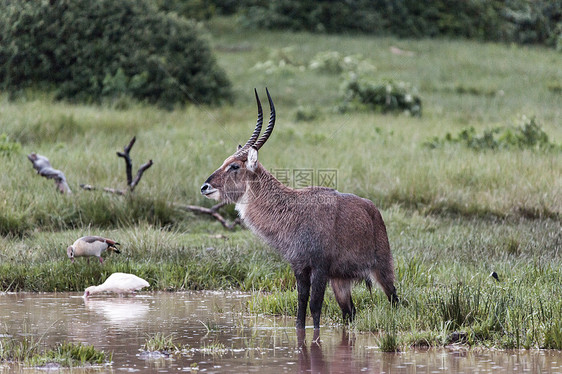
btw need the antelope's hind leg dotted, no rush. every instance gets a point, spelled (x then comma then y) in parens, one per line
(342, 292)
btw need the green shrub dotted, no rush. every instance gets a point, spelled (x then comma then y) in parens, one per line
(88, 50)
(306, 114)
(7, 147)
(528, 135)
(384, 97)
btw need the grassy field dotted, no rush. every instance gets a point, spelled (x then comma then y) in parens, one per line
(454, 214)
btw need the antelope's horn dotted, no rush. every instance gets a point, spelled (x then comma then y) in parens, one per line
(261, 141)
(257, 130)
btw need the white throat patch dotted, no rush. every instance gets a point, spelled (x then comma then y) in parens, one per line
(242, 204)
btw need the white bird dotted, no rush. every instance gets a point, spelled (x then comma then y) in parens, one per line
(120, 283)
(88, 246)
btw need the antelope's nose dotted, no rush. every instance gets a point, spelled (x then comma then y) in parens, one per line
(205, 188)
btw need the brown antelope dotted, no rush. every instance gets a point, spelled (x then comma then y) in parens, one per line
(324, 234)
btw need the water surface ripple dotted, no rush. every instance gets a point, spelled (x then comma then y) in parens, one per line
(222, 338)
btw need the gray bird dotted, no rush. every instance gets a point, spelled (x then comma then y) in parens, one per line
(88, 246)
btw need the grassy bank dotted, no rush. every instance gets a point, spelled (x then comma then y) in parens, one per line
(454, 213)
(448, 293)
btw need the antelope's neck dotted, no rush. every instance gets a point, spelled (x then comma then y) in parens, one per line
(263, 200)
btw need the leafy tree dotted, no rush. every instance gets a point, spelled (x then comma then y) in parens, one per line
(88, 50)
(522, 21)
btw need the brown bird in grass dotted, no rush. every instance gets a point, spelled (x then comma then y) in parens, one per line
(88, 246)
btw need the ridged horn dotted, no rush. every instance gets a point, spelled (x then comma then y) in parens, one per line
(261, 141)
(257, 130)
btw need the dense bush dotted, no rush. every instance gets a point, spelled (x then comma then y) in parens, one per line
(198, 9)
(310, 15)
(524, 21)
(383, 97)
(86, 50)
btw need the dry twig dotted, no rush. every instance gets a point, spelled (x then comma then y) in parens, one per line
(213, 211)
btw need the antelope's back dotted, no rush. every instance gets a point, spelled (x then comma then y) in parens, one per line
(349, 222)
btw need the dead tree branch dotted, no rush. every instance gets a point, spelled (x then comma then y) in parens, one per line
(140, 172)
(128, 162)
(131, 183)
(44, 169)
(213, 211)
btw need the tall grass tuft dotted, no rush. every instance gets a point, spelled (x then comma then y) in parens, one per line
(66, 354)
(458, 306)
(69, 355)
(13, 350)
(389, 340)
(162, 343)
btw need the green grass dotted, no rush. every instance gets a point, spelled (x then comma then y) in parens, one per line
(443, 279)
(162, 343)
(454, 214)
(28, 352)
(168, 260)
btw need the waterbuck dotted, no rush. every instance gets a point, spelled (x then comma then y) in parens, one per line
(324, 234)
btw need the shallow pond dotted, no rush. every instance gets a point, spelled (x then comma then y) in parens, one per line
(223, 339)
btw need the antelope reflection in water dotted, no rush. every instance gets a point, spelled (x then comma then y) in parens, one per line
(341, 359)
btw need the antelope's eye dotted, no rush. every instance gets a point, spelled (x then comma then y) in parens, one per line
(234, 167)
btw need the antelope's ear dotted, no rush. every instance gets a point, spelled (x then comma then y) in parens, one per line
(252, 162)
(239, 147)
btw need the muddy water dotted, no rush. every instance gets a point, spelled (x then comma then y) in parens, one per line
(223, 339)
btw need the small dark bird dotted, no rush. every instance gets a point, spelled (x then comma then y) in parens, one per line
(495, 276)
(88, 246)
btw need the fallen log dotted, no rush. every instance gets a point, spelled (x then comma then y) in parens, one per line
(44, 169)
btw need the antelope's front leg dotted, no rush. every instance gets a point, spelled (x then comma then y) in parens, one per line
(318, 280)
(303, 290)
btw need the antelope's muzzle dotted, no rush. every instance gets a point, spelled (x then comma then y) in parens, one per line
(207, 189)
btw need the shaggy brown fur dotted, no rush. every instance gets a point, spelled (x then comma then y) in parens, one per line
(324, 234)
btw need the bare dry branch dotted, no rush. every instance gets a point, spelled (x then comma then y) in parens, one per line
(131, 183)
(213, 211)
(115, 191)
(128, 163)
(44, 169)
(141, 170)
(89, 187)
